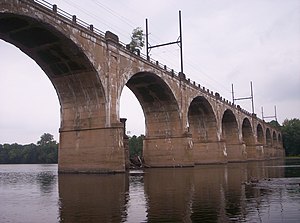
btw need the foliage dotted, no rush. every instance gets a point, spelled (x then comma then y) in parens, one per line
(45, 152)
(137, 40)
(291, 136)
(136, 146)
(46, 139)
(275, 124)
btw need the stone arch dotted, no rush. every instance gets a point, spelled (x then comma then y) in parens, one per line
(268, 137)
(203, 127)
(159, 105)
(77, 84)
(248, 139)
(230, 128)
(202, 120)
(260, 134)
(230, 133)
(247, 132)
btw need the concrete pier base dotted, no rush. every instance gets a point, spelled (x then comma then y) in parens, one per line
(168, 152)
(92, 151)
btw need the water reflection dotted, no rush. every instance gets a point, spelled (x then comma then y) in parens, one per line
(92, 198)
(213, 193)
(136, 206)
(47, 181)
(169, 193)
(207, 193)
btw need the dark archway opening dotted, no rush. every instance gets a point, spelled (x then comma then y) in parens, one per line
(230, 128)
(260, 134)
(202, 121)
(247, 132)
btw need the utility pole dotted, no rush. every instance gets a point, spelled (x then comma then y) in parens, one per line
(178, 41)
(272, 116)
(244, 98)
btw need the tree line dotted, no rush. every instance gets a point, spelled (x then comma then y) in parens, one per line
(291, 136)
(45, 151)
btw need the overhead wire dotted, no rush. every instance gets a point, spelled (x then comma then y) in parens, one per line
(159, 54)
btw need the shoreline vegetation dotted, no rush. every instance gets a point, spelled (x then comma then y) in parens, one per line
(45, 151)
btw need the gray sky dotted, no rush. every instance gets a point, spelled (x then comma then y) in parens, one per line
(224, 42)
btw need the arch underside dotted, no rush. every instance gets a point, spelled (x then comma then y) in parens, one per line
(231, 137)
(260, 134)
(158, 103)
(202, 121)
(230, 128)
(203, 127)
(69, 70)
(247, 132)
(248, 139)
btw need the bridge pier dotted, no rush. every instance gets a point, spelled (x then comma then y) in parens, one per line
(92, 151)
(208, 152)
(168, 152)
(253, 152)
(236, 152)
(260, 151)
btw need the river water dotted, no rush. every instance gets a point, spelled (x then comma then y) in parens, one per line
(207, 193)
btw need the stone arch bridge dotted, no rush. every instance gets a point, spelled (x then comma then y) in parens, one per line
(186, 124)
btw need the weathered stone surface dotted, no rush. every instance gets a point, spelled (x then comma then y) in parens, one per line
(185, 124)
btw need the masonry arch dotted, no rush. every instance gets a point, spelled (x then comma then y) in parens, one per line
(159, 105)
(248, 139)
(230, 133)
(247, 132)
(203, 128)
(260, 134)
(268, 137)
(65, 64)
(230, 128)
(202, 120)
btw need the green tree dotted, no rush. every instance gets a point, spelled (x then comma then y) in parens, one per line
(46, 139)
(45, 152)
(136, 146)
(291, 136)
(137, 40)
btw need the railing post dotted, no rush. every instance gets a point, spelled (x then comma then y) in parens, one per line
(54, 8)
(74, 18)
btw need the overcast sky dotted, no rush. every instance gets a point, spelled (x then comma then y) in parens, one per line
(224, 42)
